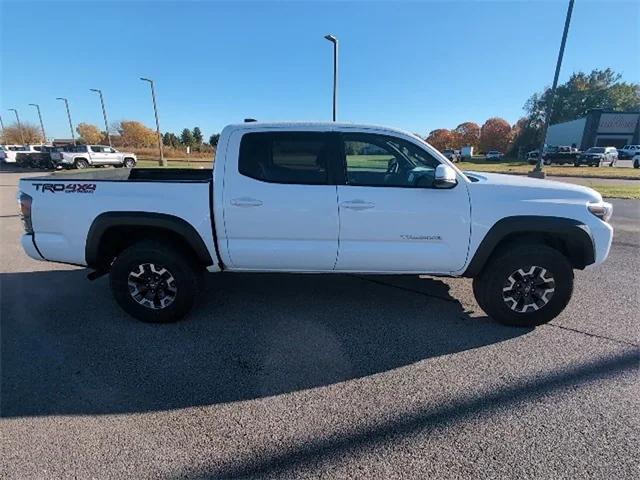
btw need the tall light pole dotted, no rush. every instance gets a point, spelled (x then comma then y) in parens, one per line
(66, 104)
(538, 170)
(162, 162)
(19, 124)
(104, 113)
(1, 123)
(334, 40)
(44, 136)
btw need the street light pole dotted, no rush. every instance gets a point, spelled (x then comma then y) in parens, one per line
(19, 124)
(334, 40)
(538, 170)
(1, 123)
(66, 104)
(104, 114)
(162, 162)
(44, 136)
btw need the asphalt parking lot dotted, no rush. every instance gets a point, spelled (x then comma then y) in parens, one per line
(282, 376)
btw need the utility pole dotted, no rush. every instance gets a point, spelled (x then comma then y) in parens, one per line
(334, 40)
(44, 136)
(104, 114)
(1, 123)
(162, 162)
(19, 124)
(66, 104)
(538, 171)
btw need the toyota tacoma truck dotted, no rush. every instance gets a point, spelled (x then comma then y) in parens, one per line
(318, 198)
(84, 156)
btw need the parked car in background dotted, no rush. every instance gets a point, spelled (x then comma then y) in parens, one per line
(289, 198)
(560, 155)
(597, 156)
(11, 153)
(494, 155)
(453, 155)
(84, 156)
(628, 152)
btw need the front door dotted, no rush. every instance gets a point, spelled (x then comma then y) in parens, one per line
(98, 155)
(392, 219)
(280, 210)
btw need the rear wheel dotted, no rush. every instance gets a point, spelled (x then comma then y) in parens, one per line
(636, 163)
(155, 282)
(525, 287)
(81, 163)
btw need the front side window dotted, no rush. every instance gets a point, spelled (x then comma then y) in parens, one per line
(384, 161)
(285, 157)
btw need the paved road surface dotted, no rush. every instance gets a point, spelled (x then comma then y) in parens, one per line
(278, 376)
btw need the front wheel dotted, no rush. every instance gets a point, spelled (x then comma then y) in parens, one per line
(526, 286)
(636, 164)
(129, 163)
(154, 282)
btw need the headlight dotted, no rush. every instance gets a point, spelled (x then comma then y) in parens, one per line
(601, 210)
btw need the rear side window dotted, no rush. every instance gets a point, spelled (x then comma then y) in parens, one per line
(285, 157)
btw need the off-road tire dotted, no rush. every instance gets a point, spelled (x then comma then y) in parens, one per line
(181, 267)
(81, 163)
(488, 286)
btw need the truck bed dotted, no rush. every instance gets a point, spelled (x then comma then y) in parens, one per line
(133, 175)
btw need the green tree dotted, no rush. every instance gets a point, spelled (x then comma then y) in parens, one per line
(197, 136)
(213, 139)
(583, 92)
(187, 138)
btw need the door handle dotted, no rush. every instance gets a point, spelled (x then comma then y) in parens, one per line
(246, 202)
(357, 205)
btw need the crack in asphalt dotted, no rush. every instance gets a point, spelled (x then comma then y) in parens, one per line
(453, 300)
(594, 335)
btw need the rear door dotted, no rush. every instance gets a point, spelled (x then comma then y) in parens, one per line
(392, 219)
(279, 198)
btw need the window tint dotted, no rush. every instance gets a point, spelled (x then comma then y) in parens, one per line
(96, 149)
(291, 157)
(81, 148)
(383, 161)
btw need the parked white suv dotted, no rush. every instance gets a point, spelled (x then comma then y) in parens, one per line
(84, 156)
(319, 198)
(628, 151)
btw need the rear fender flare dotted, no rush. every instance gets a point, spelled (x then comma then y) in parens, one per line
(103, 222)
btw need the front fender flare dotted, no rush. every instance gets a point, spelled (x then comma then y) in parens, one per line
(574, 233)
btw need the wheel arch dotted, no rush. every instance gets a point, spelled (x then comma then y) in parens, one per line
(570, 237)
(112, 232)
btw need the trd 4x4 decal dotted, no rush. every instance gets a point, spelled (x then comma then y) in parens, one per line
(65, 187)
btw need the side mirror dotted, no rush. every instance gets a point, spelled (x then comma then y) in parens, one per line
(445, 177)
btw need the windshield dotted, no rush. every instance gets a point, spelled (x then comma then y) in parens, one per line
(596, 150)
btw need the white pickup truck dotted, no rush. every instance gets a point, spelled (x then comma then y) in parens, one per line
(84, 156)
(319, 198)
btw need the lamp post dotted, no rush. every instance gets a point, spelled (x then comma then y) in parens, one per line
(1, 123)
(104, 113)
(162, 162)
(44, 136)
(19, 124)
(66, 104)
(538, 171)
(334, 40)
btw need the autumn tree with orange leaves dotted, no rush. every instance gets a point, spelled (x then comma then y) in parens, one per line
(441, 138)
(495, 134)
